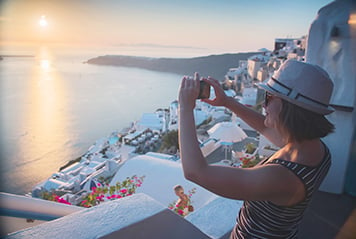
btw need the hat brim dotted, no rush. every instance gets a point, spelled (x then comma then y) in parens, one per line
(318, 110)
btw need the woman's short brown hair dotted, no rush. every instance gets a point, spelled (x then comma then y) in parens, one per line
(302, 124)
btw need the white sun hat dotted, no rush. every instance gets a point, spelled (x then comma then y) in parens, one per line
(302, 84)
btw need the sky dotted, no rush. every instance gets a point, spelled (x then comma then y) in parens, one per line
(221, 26)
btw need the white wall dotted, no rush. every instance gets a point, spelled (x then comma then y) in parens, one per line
(332, 45)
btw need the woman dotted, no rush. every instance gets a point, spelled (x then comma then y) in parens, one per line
(277, 191)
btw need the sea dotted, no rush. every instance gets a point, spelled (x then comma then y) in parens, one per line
(53, 107)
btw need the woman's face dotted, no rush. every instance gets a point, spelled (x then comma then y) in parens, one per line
(273, 107)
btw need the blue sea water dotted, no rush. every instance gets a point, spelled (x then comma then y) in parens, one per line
(53, 107)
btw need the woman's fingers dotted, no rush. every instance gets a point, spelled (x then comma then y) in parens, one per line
(189, 91)
(213, 82)
(196, 76)
(220, 96)
(209, 101)
(182, 83)
(191, 82)
(197, 79)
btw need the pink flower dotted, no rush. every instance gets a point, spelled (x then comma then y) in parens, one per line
(61, 200)
(180, 211)
(104, 192)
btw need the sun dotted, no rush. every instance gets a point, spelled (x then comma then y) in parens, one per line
(43, 22)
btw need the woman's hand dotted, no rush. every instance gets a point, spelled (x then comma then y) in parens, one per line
(220, 97)
(188, 92)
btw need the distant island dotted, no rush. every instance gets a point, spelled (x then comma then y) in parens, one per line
(214, 65)
(2, 56)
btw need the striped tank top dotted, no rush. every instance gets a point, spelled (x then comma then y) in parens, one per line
(264, 219)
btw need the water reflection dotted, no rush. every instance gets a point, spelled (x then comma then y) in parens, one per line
(45, 65)
(52, 115)
(46, 119)
(45, 60)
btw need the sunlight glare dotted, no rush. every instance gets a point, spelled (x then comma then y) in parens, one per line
(43, 22)
(45, 64)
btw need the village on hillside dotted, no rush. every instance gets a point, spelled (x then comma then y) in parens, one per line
(225, 139)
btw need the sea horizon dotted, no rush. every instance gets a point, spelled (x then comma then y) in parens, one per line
(139, 50)
(54, 107)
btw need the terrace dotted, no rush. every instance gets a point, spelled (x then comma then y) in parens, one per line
(332, 212)
(328, 217)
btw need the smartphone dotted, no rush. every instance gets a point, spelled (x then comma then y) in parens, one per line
(204, 92)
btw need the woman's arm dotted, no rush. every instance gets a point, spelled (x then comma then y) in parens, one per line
(188, 141)
(259, 183)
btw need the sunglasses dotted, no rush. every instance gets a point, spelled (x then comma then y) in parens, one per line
(268, 98)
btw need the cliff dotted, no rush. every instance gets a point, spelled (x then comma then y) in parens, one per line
(213, 65)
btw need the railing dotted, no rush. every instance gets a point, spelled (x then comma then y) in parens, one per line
(26, 207)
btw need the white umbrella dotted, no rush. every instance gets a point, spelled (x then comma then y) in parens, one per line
(228, 133)
(263, 50)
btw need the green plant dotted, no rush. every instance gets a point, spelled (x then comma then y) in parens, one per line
(250, 148)
(249, 162)
(106, 192)
(52, 196)
(105, 180)
(169, 139)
